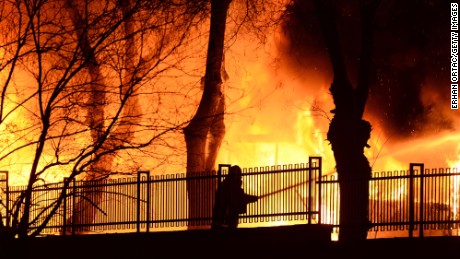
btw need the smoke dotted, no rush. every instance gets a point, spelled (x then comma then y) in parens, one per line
(409, 94)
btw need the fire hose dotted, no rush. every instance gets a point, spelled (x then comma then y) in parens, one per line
(282, 190)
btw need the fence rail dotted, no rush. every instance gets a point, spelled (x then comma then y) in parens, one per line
(414, 202)
(160, 202)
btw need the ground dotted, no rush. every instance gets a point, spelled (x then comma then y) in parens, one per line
(277, 242)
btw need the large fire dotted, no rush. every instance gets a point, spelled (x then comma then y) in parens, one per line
(274, 117)
(288, 120)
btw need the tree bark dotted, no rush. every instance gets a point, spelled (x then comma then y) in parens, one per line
(208, 119)
(83, 212)
(348, 132)
(215, 137)
(92, 190)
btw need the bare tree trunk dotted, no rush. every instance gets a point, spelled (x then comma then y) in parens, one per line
(91, 193)
(84, 211)
(216, 136)
(209, 119)
(131, 109)
(24, 221)
(348, 132)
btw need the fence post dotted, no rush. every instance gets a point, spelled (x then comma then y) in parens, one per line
(148, 202)
(74, 192)
(138, 223)
(412, 198)
(64, 214)
(4, 179)
(309, 186)
(138, 203)
(219, 173)
(219, 181)
(421, 198)
(311, 170)
(320, 165)
(411, 201)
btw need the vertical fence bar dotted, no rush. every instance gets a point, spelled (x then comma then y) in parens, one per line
(402, 203)
(148, 202)
(161, 200)
(421, 194)
(74, 189)
(319, 188)
(219, 173)
(156, 195)
(138, 203)
(411, 201)
(421, 199)
(391, 189)
(64, 213)
(309, 186)
(311, 170)
(7, 203)
(219, 177)
(178, 198)
(4, 179)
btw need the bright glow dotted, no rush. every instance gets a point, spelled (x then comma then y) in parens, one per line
(455, 168)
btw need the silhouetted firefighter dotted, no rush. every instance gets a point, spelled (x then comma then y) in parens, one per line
(230, 201)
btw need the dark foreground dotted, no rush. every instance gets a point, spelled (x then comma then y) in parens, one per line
(300, 241)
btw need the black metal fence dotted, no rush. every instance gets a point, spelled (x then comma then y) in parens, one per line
(414, 202)
(160, 202)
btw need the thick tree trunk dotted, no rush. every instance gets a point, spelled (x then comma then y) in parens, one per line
(90, 195)
(215, 137)
(84, 211)
(348, 133)
(207, 120)
(129, 89)
(348, 136)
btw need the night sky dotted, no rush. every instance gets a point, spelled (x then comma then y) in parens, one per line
(410, 88)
